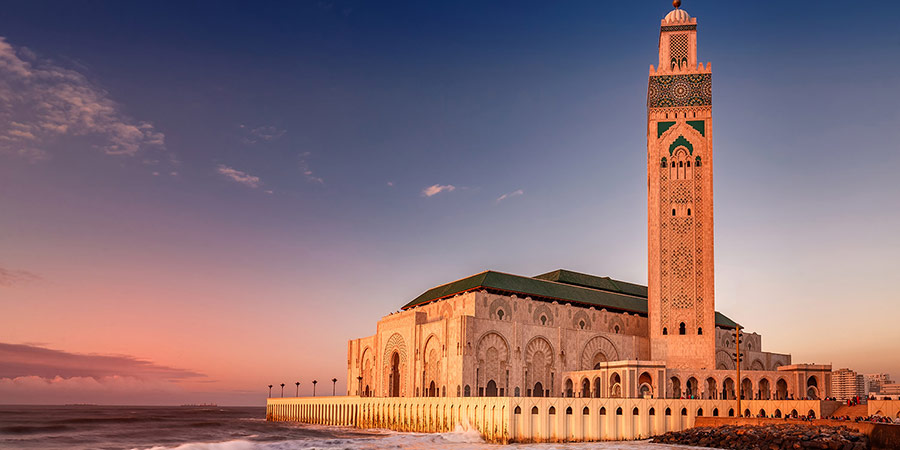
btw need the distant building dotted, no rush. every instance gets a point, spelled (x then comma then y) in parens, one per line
(891, 389)
(874, 382)
(847, 384)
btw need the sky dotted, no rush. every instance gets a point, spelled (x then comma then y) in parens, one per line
(199, 199)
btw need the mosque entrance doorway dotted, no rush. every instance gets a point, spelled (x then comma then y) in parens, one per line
(395, 375)
(538, 390)
(491, 390)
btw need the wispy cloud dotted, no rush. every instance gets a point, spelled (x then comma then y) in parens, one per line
(307, 171)
(436, 189)
(41, 103)
(9, 277)
(239, 176)
(265, 133)
(515, 193)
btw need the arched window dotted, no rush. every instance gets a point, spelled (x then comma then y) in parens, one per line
(697, 162)
(581, 324)
(518, 410)
(543, 320)
(683, 411)
(682, 329)
(652, 412)
(664, 163)
(468, 391)
(517, 391)
(616, 329)
(586, 411)
(552, 410)
(500, 314)
(716, 412)
(603, 411)
(680, 163)
(700, 330)
(689, 211)
(534, 410)
(665, 331)
(635, 412)
(700, 412)
(619, 411)
(668, 411)
(673, 211)
(569, 411)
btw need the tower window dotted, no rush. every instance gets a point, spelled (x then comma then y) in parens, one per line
(680, 164)
(617, 329)
(681, 329)
(665, 331)
(673, 211)
(688, 164)
(543, 320)
(689, 211)
(500, 311)
(700, 330)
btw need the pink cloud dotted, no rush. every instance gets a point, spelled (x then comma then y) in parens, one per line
(436, 189)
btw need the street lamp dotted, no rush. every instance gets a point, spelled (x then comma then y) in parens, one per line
(359, 391)
(297, 394)
(270, 391)
(333, 386)
(282, 390)
(314, 387)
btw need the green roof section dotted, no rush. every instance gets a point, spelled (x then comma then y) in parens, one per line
(594, 282)
(560, 285)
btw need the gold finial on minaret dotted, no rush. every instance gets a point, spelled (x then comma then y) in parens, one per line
(676, 3)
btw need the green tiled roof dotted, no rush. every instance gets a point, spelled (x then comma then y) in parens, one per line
(561, 285)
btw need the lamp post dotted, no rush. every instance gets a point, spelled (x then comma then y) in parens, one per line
(333, 386)
(297, 394)
(314, 387)
(270, 391)
(282, 390)
(359, 391)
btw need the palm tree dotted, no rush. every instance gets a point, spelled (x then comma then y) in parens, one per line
(270, 390)
(282, 390)
(314, 387)
(333, 386)
(297, 394)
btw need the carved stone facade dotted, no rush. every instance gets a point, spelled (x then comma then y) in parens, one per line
(566, 334)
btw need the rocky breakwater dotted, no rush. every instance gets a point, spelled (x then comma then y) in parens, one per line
(769, 437)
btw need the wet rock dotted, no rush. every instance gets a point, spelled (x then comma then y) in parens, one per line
(769, 437)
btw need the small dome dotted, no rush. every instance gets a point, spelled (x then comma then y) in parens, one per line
(677, 15)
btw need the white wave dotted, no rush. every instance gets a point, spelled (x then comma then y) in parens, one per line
(459, 439)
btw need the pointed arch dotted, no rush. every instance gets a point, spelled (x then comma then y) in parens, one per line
(598, 349)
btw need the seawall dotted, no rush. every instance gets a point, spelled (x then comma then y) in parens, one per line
(524, 419)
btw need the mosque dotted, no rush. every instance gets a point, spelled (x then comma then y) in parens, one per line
(568, 334)
(566, 356)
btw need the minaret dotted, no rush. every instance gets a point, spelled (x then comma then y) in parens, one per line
(679, 199)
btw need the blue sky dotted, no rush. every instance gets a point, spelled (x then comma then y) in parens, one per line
(273, 188)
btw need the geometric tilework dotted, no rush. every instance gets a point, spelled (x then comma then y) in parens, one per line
(678, 28)
(666, 91)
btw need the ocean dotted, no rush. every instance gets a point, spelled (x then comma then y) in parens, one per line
(224, 428)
